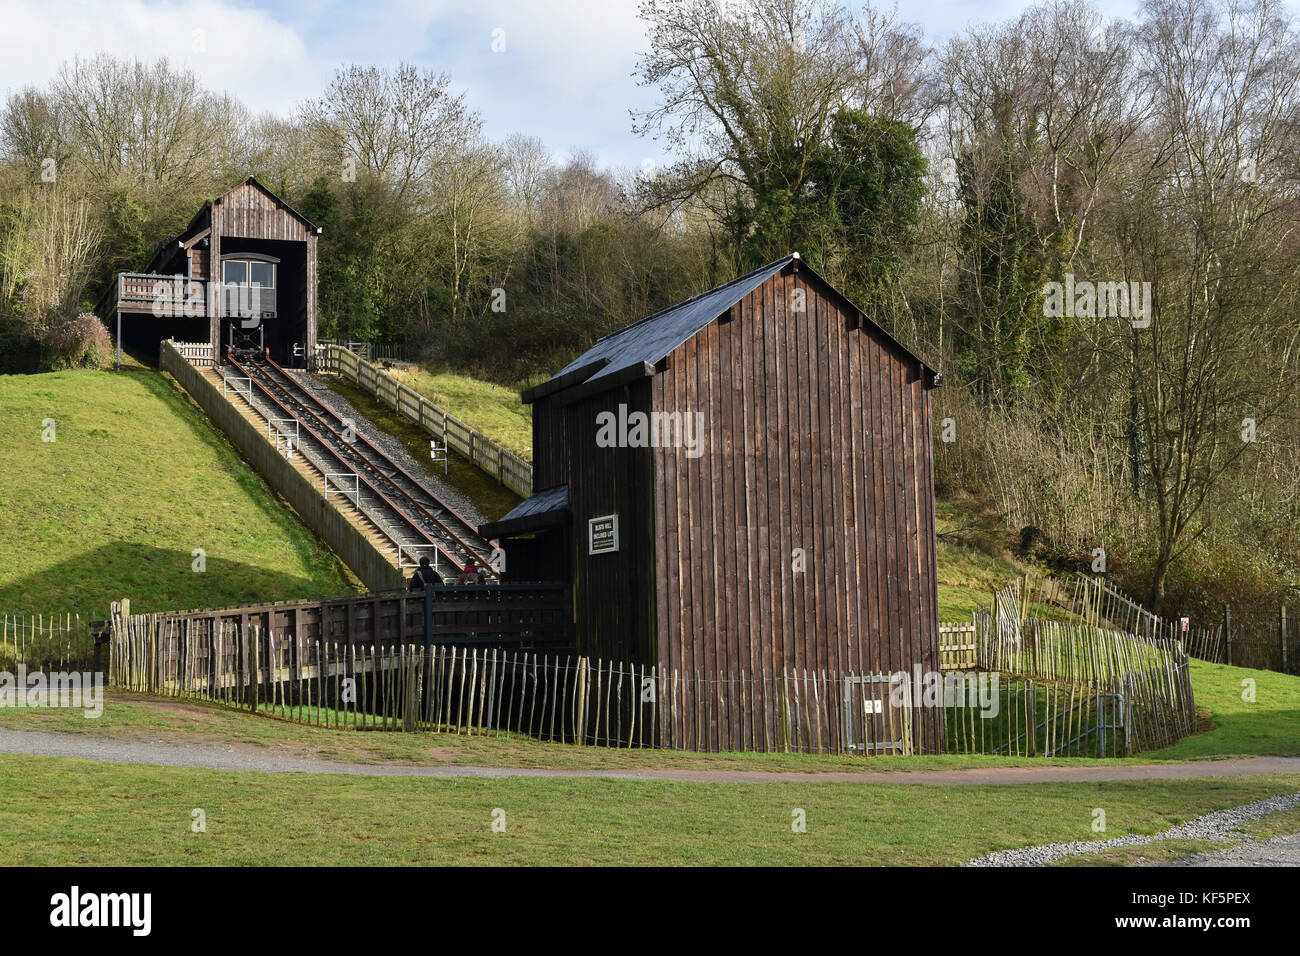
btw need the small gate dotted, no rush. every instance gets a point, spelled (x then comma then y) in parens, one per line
(877, 714)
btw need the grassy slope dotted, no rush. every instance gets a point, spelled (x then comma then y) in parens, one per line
(974, 556)
(60, 811)
(1268, 725)
(136, 480)
(493, 409)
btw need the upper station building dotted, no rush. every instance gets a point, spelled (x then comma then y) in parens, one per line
(740, 484)
(242, 273)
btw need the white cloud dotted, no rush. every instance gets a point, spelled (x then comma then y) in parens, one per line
(248, 52)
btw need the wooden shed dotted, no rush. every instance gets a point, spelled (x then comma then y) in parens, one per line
(242, 273)
(741, 483)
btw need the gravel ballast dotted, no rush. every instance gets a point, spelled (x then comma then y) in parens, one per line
(391, 446)
(1217, 826)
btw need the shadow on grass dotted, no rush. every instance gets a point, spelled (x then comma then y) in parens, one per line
(155, 579)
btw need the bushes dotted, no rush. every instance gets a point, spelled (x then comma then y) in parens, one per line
(81, 343)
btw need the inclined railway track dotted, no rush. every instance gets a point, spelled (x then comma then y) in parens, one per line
(397, 502)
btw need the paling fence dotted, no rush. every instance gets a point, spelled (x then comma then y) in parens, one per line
(198, 354)
(46, 642)
(505, 466)
(1011, 684)
(1092, 599)
(453, 689)
(1148, 677)
(1006, 713)
(957, 645)
(1024, 717)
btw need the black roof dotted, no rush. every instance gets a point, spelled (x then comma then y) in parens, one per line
(544, 509)
(653, 338)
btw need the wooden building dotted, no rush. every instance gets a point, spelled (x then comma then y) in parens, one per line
(773, 511)
(242, 273)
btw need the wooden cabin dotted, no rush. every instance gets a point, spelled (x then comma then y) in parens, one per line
(740, 483)
(242, 273)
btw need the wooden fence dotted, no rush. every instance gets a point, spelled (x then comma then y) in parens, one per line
(46, 642)
(533, 616)
(1095, 601)
(1031, 718)
(957, 645)
(502, 464)
(471, 690)
(1265, 638)
(198, 354)
(1151, 675)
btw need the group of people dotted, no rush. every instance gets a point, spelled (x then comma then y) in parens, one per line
(426, 576)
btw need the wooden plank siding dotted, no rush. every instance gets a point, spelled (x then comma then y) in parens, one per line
(250, 211)
(613, 593)
(817, 436)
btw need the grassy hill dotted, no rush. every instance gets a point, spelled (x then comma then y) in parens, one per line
(136, 480)
(493, 409)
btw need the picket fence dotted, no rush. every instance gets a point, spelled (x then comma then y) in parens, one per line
(450, 689)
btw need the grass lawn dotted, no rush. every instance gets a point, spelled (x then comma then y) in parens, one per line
(63, 811)
(493, 409)
(1268, 725)
(974, 556)
(136, 480)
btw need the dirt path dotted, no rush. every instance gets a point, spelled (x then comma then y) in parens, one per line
(210, 757)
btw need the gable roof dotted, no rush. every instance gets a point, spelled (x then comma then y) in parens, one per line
(206, 208)
(636, 348)
(253, 181)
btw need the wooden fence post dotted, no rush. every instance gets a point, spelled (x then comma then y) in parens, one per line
(1281, 634)
(1227, 632)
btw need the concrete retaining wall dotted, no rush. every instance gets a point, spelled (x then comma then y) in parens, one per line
(356, 551)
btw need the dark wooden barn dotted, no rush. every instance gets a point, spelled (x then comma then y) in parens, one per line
(774, 509)
(242, 273)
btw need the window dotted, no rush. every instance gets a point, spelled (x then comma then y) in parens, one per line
(253, 272)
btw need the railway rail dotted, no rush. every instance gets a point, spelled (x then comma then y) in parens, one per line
(412, 516)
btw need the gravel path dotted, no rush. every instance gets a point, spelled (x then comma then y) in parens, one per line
(391, 446)
(1280, 851)
(85, 746)
(1219, 825)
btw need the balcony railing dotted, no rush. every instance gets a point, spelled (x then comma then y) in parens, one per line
(180, 297)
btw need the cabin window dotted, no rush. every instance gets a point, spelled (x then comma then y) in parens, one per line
(248, 272)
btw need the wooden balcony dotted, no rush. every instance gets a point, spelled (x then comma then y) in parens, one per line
(179, 297)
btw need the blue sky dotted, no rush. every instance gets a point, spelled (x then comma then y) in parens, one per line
(565, 74)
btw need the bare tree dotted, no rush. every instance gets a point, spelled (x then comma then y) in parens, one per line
(397, 123)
